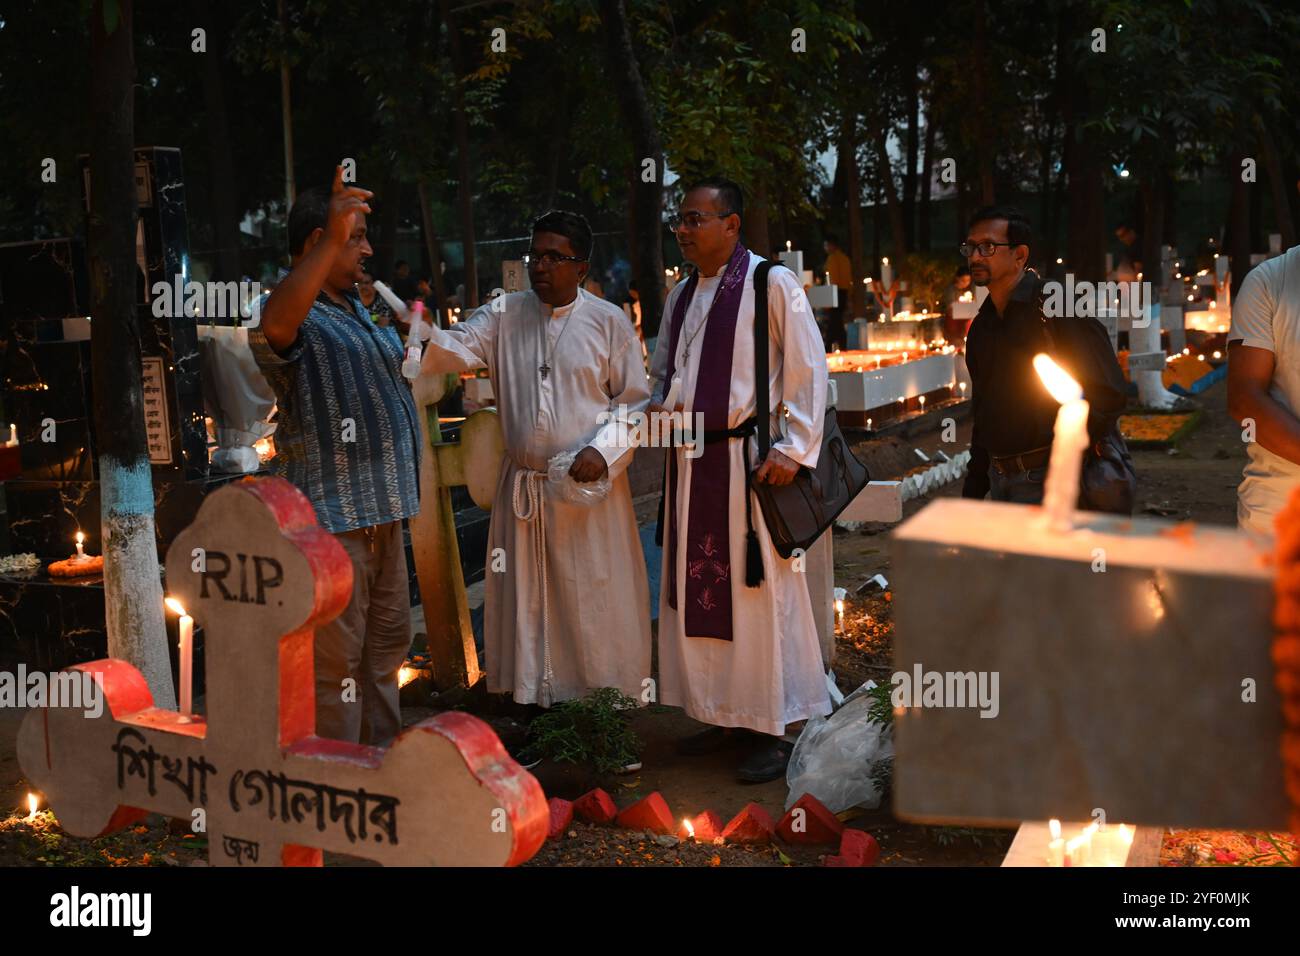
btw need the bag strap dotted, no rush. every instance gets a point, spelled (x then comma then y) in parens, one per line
(762, 407)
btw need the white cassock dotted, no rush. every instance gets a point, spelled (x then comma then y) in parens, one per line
(770, 673)
(597, 607)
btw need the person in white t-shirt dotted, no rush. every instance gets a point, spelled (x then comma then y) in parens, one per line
(1264, 386)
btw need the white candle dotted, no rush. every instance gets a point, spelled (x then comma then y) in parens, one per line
(788, 245)
(1056, 846)
(886, 273)
(13, 434)
(186, 657)
(81, 551)
(1069, 442)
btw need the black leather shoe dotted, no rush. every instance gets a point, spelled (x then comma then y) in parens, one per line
(766, 763)
(711, 740)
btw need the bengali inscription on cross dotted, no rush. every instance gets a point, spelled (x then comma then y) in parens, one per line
(260, 575)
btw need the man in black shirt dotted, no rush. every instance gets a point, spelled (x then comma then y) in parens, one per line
(1013, 412)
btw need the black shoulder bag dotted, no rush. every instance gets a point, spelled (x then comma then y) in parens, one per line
(796, 514)
(1108, 481)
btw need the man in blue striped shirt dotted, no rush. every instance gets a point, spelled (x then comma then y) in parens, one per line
(348, 438)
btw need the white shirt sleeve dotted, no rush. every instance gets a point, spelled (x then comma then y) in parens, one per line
(663, 344)
(466, 345)
(629, 393)
(798, 370)
(1254, 307)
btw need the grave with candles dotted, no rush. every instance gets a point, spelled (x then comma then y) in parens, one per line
(249, 773)
(1132, 657)
(52, 621)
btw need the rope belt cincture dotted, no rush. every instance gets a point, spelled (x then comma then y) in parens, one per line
(530, 506)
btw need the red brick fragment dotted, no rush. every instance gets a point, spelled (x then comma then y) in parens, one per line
(649, 813)
(857, 848)
(596, 807)
(751, 825)
(561, 817)
(708, 826)
(808, 821)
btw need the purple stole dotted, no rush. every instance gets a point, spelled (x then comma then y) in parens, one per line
(708, 530)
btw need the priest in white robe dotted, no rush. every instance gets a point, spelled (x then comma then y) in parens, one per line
(731, 654)
(570, 611)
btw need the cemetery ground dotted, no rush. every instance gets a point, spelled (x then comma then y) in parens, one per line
(1194, 482)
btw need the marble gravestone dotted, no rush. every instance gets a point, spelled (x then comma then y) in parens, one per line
(260, 575)
(1133, 671)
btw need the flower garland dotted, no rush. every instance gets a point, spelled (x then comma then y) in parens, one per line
(1286, 647)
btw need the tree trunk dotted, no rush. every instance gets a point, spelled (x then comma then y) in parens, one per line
(896, 227)
(647, 200)
(754, 229)
(286, 115)
(848, 164)
(434, 253)
(133, 598)
(927, 164)
(1278, 184)
(225, 205)
(913, 146)
(1236, 238)
(384, 237)
(465, 185)
(979, 70)
(1152, 190)
(1086, 244)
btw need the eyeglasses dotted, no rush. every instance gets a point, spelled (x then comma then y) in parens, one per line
(550, 259)
(983, 248)
(693, 220)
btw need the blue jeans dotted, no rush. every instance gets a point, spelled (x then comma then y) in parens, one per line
(1022, 488)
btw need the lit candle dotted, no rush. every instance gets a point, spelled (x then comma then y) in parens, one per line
(686, 823)
(1056, 846)
(186, 655)
(13, 434)
(869, 420)
(839, 615)
(81, 551)
(32, 804)
(1069, 441)
(788, 245)
(962, 386)
(886, 273)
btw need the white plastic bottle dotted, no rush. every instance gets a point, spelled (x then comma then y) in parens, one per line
(411, 364)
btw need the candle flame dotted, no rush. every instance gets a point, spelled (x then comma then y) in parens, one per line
(175, 606)
(1057, 380)
(690, 830)
(32, 804)
(81, 538)
(1054, 826)
(406, 675)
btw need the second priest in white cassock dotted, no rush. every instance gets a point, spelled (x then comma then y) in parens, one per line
(731, 654)
(570, 613)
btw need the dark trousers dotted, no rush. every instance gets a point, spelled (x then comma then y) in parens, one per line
(1022, 488)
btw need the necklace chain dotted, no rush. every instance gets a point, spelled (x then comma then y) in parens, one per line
(545, 367)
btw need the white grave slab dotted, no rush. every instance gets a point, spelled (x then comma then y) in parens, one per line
(1120, 689)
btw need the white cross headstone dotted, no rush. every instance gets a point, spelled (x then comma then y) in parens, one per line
(260, 575)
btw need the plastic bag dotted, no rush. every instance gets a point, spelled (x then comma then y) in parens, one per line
(834, 756)
(574, 492)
